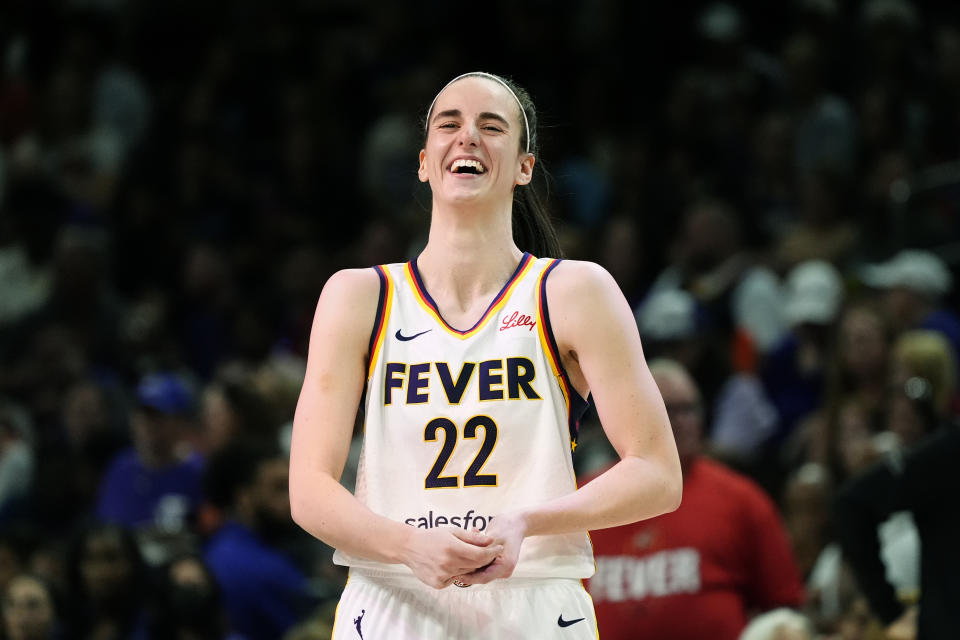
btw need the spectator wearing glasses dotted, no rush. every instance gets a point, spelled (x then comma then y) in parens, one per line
(702, 570)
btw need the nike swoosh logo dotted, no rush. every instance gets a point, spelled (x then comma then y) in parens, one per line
(567, 623)
(404, 338)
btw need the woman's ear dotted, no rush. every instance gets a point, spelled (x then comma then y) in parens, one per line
(422, 170)
(525, 174)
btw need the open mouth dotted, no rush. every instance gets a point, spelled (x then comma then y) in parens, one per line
(468, 167)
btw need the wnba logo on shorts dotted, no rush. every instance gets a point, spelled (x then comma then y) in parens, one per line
(358, 621)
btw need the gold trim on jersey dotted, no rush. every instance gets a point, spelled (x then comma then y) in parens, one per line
(384, 321)
(552, 358)
(491, 311)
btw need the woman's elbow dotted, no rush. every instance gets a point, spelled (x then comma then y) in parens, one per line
(662, 488)
(299, 509)
(303, 505)
(671, 487)
(310, 500)
(673, 493)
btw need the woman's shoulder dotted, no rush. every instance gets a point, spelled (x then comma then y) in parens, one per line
(356, 276)
(353, 285)
(348, 305)
(586, 305)
(579, 280)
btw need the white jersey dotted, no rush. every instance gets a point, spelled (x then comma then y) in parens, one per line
(463, 425)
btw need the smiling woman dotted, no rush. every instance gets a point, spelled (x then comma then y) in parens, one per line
(532, 228)
(474, 362)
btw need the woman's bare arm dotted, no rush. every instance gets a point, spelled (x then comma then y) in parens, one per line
(600, 345)
(322, 430)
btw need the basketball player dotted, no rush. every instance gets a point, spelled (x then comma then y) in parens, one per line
(474, 361)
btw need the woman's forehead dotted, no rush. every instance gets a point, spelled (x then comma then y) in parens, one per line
(475, 93)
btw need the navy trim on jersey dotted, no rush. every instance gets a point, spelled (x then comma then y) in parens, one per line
(379, 316)
(578, 406)
(373, 332)
(429, 300)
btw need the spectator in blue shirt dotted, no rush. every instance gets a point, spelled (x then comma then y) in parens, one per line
(264, 592)
(155, 484)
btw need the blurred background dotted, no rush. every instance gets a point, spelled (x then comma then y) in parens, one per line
(774, 185)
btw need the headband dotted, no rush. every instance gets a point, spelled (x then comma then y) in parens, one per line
(490, 76)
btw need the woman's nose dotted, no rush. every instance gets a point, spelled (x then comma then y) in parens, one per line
(469, 134)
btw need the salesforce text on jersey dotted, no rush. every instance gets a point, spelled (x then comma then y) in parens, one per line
(465, 521)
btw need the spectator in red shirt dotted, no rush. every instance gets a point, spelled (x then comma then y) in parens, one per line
(704, 569)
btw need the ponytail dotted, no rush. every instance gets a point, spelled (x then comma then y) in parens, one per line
(533, 228)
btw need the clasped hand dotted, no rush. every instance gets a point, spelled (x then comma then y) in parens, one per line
(442, 555)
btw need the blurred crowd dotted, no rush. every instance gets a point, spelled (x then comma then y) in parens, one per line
(775, 187)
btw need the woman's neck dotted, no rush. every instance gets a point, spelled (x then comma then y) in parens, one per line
(468, 257)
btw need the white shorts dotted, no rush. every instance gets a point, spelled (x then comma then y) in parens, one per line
(381, 606)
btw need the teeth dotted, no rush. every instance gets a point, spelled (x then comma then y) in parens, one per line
(463, 162)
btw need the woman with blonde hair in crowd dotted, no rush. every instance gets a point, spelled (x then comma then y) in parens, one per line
(921, 356)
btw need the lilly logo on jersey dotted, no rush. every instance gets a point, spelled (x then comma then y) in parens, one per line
(517, 319)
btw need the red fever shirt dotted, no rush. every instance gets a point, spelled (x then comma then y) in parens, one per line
(700, 571)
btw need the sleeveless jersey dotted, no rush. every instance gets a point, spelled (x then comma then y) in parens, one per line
(461, 425)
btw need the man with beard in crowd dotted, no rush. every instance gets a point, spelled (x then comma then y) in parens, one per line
(264, 592)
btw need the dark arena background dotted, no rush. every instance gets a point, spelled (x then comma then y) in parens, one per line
(775, 186)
